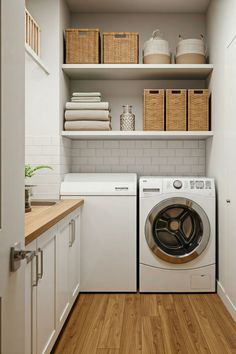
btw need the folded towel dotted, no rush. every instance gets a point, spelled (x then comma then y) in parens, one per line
(87, 115)
(89, 105)
(85, 94)
(88, 125)
(85, 99)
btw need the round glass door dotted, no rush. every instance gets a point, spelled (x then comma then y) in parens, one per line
(177, 230)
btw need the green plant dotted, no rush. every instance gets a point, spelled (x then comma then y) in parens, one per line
(30, 171)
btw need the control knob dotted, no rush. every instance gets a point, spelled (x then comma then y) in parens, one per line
(177, 184)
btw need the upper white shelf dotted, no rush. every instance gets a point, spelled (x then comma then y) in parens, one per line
(137, 71)
(138, 135)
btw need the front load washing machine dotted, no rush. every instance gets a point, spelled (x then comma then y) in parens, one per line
(177, 234)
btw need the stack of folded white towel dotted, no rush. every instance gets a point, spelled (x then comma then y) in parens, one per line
(87, 112)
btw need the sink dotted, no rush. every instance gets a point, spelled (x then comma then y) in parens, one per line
(44, 202)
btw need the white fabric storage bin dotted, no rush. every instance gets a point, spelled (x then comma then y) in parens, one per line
(191, 51)
(156, 50)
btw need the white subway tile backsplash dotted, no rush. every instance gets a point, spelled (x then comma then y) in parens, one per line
(143, 144)
(96, 144)
(167, 152)
(175, 144)
(119, 152)
(135, 152)
(149, 157)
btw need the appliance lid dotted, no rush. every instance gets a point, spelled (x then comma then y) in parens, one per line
(77, 184)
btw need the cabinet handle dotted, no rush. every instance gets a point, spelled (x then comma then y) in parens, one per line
(73, 230)
(70, 234)
(40, 275)
(35, 283)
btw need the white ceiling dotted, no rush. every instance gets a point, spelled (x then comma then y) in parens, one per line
(134, 6)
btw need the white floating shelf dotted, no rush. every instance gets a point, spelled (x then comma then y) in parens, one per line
(137, 135)
(137, 71)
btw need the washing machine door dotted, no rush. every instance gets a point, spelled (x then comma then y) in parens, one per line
(177, 230)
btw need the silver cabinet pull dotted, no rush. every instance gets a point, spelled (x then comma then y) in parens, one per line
(70, 234)
(36, 281)
(73, 230)
(40, 274)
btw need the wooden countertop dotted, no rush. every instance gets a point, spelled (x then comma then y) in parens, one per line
(42, 218)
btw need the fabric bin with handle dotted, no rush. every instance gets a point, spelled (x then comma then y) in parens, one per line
(176, 118)
(154, 109)
(198, 110)
(120, 47)
(82, 46)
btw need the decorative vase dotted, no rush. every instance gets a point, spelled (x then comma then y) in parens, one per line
(127, 119)
(28, 195)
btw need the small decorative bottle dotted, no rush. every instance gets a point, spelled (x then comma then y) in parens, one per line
(127, 118)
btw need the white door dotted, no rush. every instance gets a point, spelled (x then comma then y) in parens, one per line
(12, 285)
(230, 123)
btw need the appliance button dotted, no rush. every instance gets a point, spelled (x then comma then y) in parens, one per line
(177, 184)
(199, 184)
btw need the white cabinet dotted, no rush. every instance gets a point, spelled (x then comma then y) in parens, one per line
(74, 258)
(68, 265)
(46, 294)
(62, 266)
(51, 283)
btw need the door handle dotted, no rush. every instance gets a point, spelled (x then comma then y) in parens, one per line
(17, 255)
(40, 274)
(35, 283)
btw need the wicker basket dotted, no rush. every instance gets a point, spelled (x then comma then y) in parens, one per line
(120, 47)
(82, 46)
(154, 109)
(198, 111)
(176, 110)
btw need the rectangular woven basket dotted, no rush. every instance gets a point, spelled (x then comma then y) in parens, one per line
(82, 46)
(154, 109)
(176, 118)
(198, 110)
(120, 47)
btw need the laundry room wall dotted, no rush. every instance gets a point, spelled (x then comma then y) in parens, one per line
(46, 93)
(220, 151)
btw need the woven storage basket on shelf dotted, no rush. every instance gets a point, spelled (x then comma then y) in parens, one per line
(120, 47)
(176, 110)
(198, 110)
(82, 46)
(154, 109)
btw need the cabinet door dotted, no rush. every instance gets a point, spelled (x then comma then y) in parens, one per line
(45, 303)
(64, 237)
(30, 302)
(74, 257)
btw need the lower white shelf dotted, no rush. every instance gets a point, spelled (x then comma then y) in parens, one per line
(138, 135)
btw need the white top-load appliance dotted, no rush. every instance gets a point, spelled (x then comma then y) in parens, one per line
(177, 234)
(108, 230)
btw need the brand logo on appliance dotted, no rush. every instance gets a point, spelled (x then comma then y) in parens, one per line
(121, 188)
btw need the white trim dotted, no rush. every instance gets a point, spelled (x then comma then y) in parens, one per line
(226, 300)
(36, 58)
(169, 135)
(137, 71)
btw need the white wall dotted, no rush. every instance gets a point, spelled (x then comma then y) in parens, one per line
(220, 31)
(45, 97)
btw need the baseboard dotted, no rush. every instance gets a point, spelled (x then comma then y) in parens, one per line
(226, 300)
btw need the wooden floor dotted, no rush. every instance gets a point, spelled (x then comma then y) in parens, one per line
(148, 324)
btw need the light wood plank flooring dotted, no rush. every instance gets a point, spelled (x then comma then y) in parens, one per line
(148, 324)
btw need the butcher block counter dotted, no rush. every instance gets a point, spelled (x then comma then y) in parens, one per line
(43, 217)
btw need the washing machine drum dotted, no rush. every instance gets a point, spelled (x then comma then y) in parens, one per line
(177, 230)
